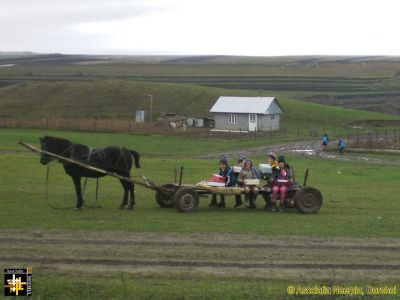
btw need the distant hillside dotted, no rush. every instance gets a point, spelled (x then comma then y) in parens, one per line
(32, 100)
(359, 82)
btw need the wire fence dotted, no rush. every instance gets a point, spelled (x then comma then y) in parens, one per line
(355, 138)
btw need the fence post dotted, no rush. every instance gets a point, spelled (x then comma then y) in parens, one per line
(369, 140)
(386, 137)
(348, 140)
(395, 139)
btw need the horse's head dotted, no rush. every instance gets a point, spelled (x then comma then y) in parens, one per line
(136, 158)
(53, 145)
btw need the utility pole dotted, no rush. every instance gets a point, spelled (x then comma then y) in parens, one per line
(151, 107)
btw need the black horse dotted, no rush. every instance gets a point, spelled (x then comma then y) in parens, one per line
(114, 159)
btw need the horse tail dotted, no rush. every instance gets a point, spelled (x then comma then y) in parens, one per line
(136, 157)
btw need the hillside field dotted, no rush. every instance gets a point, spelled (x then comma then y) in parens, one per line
(366, 83)
(33, 101)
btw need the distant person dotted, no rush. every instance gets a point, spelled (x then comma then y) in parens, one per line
(282, 179)
(341, 146)
(272, 160)
(251, 191)
(325, 141)
(238, 198)
(230, 180)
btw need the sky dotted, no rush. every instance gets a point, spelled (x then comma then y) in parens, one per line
(201, 27)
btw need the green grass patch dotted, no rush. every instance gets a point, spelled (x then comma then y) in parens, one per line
(103, 285)
(359, 200)
(146, 145)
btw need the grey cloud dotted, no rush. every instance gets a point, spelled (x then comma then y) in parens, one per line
(51, 13)
(48, 25)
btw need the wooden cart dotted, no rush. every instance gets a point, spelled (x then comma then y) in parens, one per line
(185, 198)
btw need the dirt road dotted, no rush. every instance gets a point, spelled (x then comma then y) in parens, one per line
(305, 148)
(222, 254)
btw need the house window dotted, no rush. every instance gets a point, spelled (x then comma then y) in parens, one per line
(233, 119)
(272, 117)
(252, 118)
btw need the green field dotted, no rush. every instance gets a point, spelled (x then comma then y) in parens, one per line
(344, 213)
(156, 253)
(359, 211)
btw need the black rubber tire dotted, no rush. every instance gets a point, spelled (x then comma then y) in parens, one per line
(308, 200)
(164, 200)
(186, 200)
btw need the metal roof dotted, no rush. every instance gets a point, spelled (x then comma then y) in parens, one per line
(250, 105)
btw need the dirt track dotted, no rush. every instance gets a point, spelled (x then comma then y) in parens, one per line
(196, 254)
(306, 148)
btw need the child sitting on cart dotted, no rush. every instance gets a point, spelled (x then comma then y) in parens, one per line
(238, 198)
(251, 191)
(282, 179)
(230, 180)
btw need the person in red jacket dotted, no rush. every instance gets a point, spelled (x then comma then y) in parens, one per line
(281, 180)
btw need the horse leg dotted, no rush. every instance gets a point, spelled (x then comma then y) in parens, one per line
(78, 190)
(125, 199)
(131, 187)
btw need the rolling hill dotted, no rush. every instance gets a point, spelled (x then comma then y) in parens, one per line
(367, 83)
(118, 98)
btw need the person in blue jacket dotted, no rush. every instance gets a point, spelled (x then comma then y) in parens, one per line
(341, 146)
(230, 180)
(325, 141)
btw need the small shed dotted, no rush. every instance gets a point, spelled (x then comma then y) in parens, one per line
(195, 122)
(139, 116)
(247, 113)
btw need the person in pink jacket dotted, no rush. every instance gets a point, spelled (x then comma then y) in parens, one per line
(281, 180)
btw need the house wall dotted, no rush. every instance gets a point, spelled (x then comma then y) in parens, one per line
(222, 122)
(274, 108)
(264, 122)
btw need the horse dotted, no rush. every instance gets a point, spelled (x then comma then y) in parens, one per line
(115, 159)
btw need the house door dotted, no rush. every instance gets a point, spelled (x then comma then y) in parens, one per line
(252, 122)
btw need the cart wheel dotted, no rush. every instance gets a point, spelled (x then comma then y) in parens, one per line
(308, 200)
(186, 200)
(165, 200)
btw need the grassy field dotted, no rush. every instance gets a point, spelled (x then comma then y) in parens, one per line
(159, 253)
(148, 145)
(155, 253)
(344, 213)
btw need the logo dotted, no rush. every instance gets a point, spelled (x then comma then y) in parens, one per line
(18, 282)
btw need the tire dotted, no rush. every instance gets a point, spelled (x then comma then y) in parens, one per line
(186, 200)
(308, 200)
(164, 200)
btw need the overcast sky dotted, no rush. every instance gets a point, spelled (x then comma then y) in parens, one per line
(246, 27)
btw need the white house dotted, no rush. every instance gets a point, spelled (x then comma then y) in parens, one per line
(247, 113)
